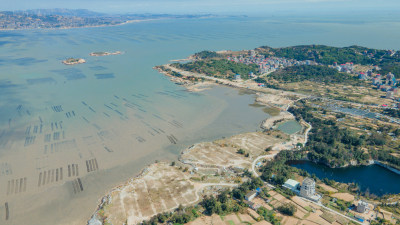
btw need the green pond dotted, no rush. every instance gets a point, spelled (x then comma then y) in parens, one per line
(290, 127)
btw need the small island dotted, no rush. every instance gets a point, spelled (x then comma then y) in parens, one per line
(105, 53)
(73, 61)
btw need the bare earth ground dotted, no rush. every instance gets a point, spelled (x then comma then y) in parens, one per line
(344, 196)
(307, 213)
(386, 215)
(270, 122)
(161, 188)
(365, 94)
(327, 188)
(223, 153)
(275, 100)
(231, 219)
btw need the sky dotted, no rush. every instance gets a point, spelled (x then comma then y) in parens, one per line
(245, 7)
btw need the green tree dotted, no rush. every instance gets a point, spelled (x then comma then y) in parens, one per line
(287, 209)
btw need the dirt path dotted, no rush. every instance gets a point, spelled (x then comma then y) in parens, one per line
(253, 165)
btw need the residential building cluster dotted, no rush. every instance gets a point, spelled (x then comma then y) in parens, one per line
(386, 83)
(268, 64)
(361, 210)
(69, 18)
(10, 20)
(391, 52)
(345, 67)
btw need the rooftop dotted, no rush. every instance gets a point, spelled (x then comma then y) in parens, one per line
(291, 184)
(308, 181)
(251, 193)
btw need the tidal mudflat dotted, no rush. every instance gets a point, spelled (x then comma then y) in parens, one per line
(68, 136)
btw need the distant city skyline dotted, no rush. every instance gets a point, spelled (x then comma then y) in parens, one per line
(208, 6)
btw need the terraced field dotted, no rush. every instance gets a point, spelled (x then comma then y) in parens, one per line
(161, 189)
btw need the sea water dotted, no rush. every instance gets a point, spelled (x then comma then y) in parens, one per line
(68, 134)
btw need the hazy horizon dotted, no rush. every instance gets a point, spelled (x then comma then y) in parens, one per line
(251, 7)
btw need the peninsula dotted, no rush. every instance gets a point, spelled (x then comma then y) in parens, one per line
(331, 88)
(344, 99)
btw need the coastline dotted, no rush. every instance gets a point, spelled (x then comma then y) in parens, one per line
(263, 97)
(187, 160)
(127, 84)
(89, 26)
(193, 86)
(278, 97)
(94, 220)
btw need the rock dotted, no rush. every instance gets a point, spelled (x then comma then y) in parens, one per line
(94, 221)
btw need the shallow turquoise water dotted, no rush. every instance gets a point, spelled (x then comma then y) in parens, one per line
(123, 121)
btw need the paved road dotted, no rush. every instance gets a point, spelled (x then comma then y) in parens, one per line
(265, 89)
(306, 133)
(235, 84)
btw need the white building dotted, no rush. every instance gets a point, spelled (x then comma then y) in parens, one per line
(308, 187)
(389, 94)
(251, 195)
(237, 77)
(292, 185)
(362, 207)
(307, 190)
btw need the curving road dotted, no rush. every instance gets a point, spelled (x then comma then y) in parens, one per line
(253, 165)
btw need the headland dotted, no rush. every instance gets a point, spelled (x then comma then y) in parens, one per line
(222, 177)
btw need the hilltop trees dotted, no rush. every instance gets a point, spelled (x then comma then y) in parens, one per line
(218, 68)
(312, 73)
